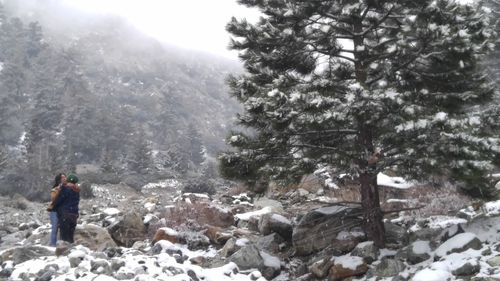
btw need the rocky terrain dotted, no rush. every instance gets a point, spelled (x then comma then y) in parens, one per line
(159, 233)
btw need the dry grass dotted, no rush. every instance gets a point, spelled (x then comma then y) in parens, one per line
(237, 189)
(440, 200)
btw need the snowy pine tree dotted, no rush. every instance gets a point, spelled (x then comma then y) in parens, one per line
(361, 86)
(493, 61)
(3, 157)
(196, 149)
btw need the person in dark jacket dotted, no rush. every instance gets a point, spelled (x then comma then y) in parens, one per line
(66, 205)
(58, 182)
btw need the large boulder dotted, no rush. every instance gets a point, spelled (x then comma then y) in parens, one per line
(128, 230)
(366, 250)
(457, 244)
(388, 268)
(416, 252)
(269, 223)
(248, 257)
(270, 243)
(317, 229)
(24, 253)
(395, 234)
(93, 237)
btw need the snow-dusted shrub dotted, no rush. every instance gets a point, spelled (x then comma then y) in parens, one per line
(199, 186)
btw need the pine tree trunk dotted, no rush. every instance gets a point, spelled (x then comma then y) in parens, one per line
(373, 217)
(374, 225)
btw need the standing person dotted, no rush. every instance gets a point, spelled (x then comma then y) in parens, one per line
(66, 205)
(59, 180)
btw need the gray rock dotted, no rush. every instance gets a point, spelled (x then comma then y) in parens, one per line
(266, 202)
(388, 268)
(173, 270)
(6, 272)
(343, 246)
(415, 253)
(25, 253)
(317, 229)
(467, 269)
(229, 248)
(113, 252)
(450, 246)
(100, 266)
(128, 230)
(272, 265)
(247, 257)
(450, 232)
(320, 268)
(93, 237)
(494, 261)
(45, 276)
(124, 275)
(395, 234)
(400, 278)
(116, 264)
(483, 278)
(425, 234)
(192, 275)
(276, 223)
(367, 250)
(270, 243)
(74, 261)
(194, 240)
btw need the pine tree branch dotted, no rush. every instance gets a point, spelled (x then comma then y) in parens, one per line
(326, 53)
(378, 23)
(380, 44)
(417, 55)
(365, 13)
(344, 132)
(303, 145)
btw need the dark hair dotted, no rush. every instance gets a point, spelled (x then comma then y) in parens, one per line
(57, 180)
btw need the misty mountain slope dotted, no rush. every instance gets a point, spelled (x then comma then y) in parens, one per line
(150, 78)
(103, 93)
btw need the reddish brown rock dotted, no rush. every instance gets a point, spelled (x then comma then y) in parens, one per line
(217, 235)
(339, 272)
(166, 233)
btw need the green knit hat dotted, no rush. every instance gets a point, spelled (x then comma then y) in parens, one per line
(72, 178)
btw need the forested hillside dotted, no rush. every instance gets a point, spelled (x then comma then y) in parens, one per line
(103, 94)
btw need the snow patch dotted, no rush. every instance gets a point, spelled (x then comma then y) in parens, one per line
(396, 182)
(247, 216)
(456, 242)
(162, 184)
(432, 275)
(111, 211)
(421, 247)
(349, 262)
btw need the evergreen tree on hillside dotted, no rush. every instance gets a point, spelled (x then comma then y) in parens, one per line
(178, 157)
(3, 158)
(493, 60)
(34, 44)
(196, 150)
(3, 18)
(140, 160)
(361, 87)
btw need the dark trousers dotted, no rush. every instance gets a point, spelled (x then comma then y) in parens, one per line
(67, 225)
